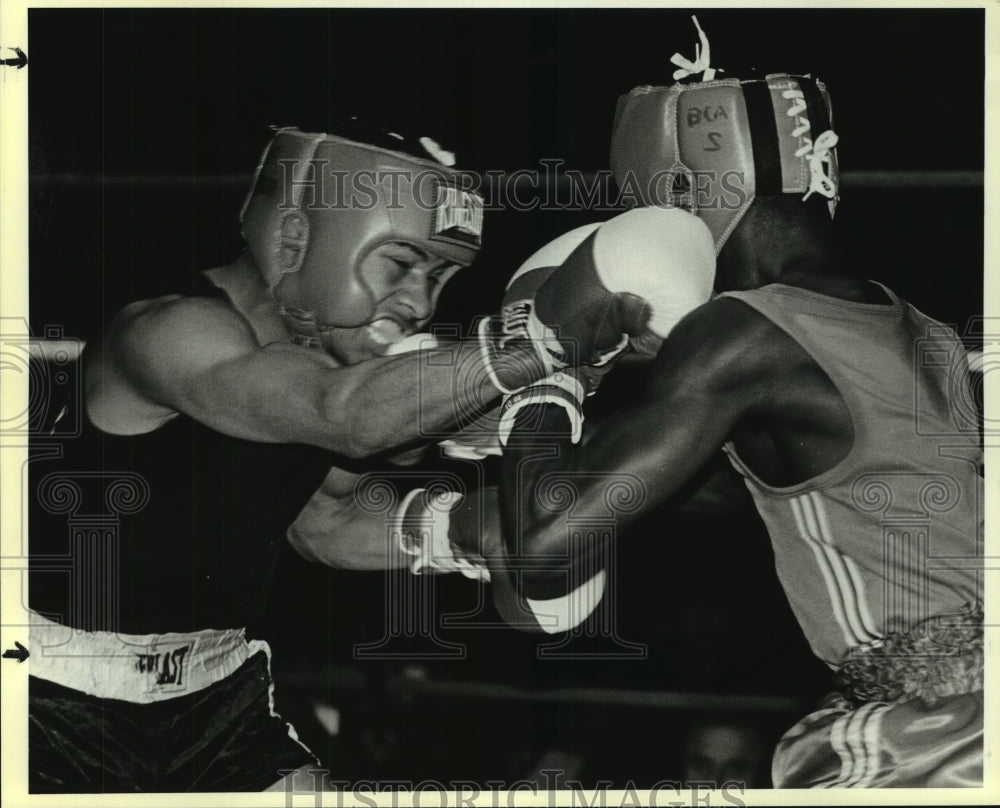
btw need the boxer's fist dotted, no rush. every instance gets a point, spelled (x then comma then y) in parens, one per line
(474, 527)
(423, 529)
(583, 296)
(548, 595)
(517, 348)
(636, 275)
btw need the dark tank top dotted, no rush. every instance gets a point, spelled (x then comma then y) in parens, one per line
(178, 529)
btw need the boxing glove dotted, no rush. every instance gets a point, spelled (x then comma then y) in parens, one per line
(473, 441)
(581, 298)
(556, 387)
(476, 440)
(516, 349)
(541, 595)
(421, 527)
(637, 275)
(561, 389)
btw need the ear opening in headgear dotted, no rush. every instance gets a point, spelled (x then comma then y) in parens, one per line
(294, 241)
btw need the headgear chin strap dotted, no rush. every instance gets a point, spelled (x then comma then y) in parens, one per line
(319, 204)
(712, 147)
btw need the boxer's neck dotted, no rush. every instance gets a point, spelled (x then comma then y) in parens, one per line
(249, 295)
(778, 242)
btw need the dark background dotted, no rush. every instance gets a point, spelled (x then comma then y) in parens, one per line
(145, 128)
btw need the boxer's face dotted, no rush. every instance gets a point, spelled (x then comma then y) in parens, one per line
(404, 282)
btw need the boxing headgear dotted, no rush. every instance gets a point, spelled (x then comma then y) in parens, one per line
(713, 146)
(320, 204)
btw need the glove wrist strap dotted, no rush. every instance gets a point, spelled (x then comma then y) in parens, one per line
(560, 389)
(421, 527)
(517, 347)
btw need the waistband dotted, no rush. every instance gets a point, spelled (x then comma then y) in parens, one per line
(140, 668)
(942, 657)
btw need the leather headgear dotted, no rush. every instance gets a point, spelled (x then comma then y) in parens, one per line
(319, 204)
(713, 146)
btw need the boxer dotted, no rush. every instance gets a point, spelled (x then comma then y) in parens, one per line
(803, 373)
(222, 411)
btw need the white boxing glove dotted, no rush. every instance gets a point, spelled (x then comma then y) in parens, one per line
(638, 273)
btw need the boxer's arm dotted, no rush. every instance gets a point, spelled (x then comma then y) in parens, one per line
(333, 530)
(715, 490)
(197, 356)
(710, 373)
(336, 530)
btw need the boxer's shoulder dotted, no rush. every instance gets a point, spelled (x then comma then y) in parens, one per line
(725, 331)
(725, 347)
(153, 345)
(178, 314)
(177, 331)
